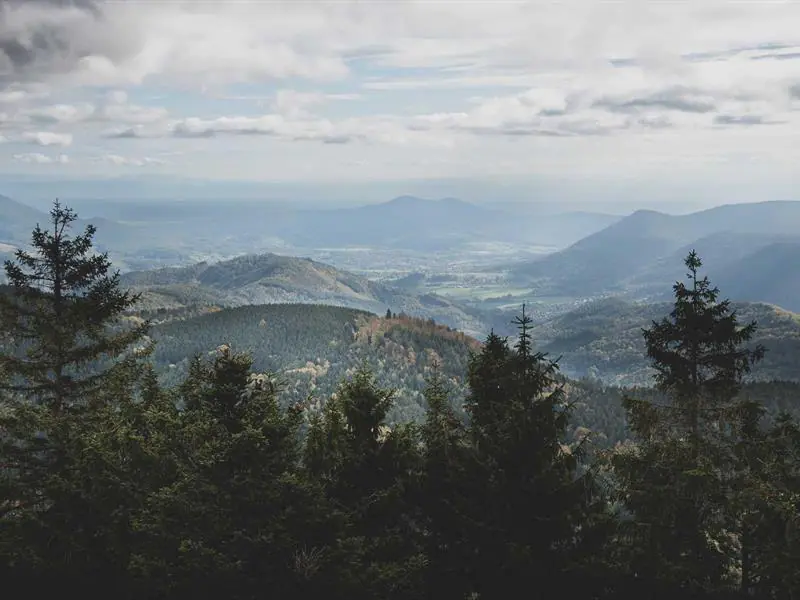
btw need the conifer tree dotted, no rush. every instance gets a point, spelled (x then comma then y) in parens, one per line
(62, 316)
(238, 518)
(676, 480)
(370, 471)
(531, 506)
(445, 496)
(62, 503)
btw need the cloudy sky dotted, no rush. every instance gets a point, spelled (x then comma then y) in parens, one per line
(697, 93)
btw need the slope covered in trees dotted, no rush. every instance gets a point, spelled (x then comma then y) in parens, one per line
(312, 348)
(603, 340)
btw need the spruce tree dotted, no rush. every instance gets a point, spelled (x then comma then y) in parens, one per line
(63, 505)
(370, 471)
(531, 506)
(677, 479)
(62, 316)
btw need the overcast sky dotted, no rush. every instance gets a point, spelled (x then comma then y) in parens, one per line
(699, 94)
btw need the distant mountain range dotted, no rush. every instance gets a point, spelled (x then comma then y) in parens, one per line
(181, 229)
(750, 250)
(272, 279)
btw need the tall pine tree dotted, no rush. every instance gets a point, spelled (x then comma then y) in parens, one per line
(63, 316)
(677, 479)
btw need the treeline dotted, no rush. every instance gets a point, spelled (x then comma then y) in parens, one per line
(113, 485)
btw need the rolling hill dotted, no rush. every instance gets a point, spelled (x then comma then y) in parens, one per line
(271, 279)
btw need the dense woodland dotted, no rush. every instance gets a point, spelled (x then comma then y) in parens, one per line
(114, 483)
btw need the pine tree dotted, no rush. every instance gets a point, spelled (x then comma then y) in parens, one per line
(63, 505)
(444, 497)
(238, 515)
(63, 316)
(676, 481)
(531, 506)
(370, 471)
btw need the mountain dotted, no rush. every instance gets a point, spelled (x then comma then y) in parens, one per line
(17, 220)
(313, 348)
(405, 222)
(646, 249)
(771, 273)
(271, 278)
(603, 339)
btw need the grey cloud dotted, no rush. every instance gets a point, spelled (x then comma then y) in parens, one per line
(126, 133)
(794, 91)
(655, 122)
(182, 130)
(677, 99)
(786, 56)
(51, 37)
(337, 139)
(743, 120)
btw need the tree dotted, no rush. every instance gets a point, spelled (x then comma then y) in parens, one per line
(369, 471)
(531, 505)
(677, 480)
(63, 316)
(237, 516)
(63, 505)
(445, 497)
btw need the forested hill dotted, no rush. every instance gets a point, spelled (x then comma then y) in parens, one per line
(313, 348)
(603, 340)
(271, 278)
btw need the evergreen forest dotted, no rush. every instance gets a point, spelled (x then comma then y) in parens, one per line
(123, 477)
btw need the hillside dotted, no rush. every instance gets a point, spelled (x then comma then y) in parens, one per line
(314, 347)
(644, 251)
(271, 278)
(603, 340)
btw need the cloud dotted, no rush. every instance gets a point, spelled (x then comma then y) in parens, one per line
(673, 99)
(47, 138)
(744, 120)
(56, 113)
(41, 159)
(505, 81)
(116, 159)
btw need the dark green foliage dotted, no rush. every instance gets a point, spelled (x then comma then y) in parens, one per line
(370, 470)
(676, 481)
(521, 505)
(238, 516)
(58, 315)
(603, 340)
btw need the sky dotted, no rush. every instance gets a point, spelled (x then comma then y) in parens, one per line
(684, 99)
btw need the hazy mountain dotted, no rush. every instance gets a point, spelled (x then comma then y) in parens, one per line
(16, 221)
(604, 339)
(645, 250)
(770, 274)
(270, 279)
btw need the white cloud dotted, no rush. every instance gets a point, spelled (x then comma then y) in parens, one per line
(116, 159)
(572, 84)
(47, 138)
(41, 159)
